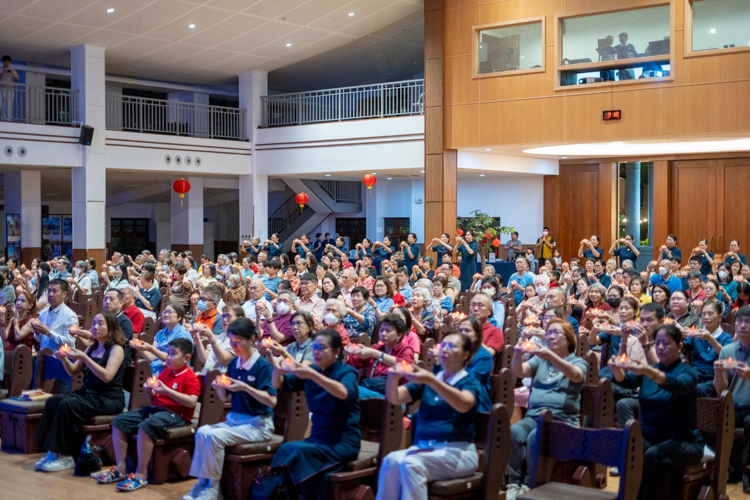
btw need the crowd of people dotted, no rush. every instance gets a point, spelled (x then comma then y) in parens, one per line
(344, 326)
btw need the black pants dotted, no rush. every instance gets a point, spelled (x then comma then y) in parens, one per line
(661, 460)
(60, 429)
(742, 419)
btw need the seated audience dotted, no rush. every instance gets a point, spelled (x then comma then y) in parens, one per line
(303, 330)
(18, 331)
(705, 343)
(217, 353)
(481, 308)
(360, 319)
(333, 319)
(422, 320)
(172, 318)
(276, 325)
(147, 295)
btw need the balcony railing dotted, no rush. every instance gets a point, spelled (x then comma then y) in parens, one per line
(347, 103)
(159, 116)
(43, 105)
(342, 191)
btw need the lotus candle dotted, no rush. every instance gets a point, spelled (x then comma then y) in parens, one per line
(289, 362)
(531, 320)
(153, 382)
(65, 349)
(623, 358)
(668, 321)
(267, 341)
(2, 309)
(729, 362)
(137, 342)
(459, 316)
(224, 380)
(405, 367)
(529, 346)
(692, 330)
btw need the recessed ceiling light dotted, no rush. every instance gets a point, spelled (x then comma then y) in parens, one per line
(488, 149)
(374, 173)
(288, 44)
(328, 175)
(422, 171)
(389, 178)
(351, 14)
(110, 10)
(191, 26)
(481, 175)
(564, 157)
(712, 31)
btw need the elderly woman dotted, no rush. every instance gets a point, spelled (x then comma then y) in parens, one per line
(333, 318)
(534, 305)
(303, 329)
(80, 281)
(360, 319)
(706, 343)
(422, 320)
(237, 293)
(208, 277)
(679, 310)
(557, 380)
(668, 414)
(444, 433)
(172, 318)
(476, 284)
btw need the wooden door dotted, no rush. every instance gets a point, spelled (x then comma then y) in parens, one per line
(733, 203)
(693, 204)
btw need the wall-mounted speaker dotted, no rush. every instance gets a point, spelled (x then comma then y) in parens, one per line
(188, 160)
(167, 159)
(178, 160)
(87, 134)
(8, 150)
(198, 161)
(22, 151)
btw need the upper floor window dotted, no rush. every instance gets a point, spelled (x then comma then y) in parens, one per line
(509, 48)
(616, 46)
(718, 25)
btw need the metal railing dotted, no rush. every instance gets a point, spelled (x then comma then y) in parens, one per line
(284, 216)
(342, 191)
(42, 105)
(347, 103)
(139, 114)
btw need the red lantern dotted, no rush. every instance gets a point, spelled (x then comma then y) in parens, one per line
(302, 200)
(369, 181)
(181, 187)
(487, 235)
(495, 242)
(460, 232)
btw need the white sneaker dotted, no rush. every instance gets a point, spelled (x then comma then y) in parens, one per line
(59, 464)
(515, 490)
(210, 493)
(49, 457)
(194, 492)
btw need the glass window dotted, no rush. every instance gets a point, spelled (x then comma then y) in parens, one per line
(720, 24)
(510, 48)
(615, 36)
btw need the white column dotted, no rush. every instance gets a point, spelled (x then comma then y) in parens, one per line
(187, 219)
(89, 181)
(23, 197)
(417, 211)
(253, 187)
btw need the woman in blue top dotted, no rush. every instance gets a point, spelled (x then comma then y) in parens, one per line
(332, 396)
(668, 413)
(411, 251)
(734, 253)
(382, 297)
(557, 380)
(272, 247)
(728, 285)
(250, 388)
(171, 317)
(253, 247)
(147, 296)
(592, 248)
(706, 344)
(362, 249)
(444, 435)
(302, 246)
(442, 246)
(627, 252)
(467, 247)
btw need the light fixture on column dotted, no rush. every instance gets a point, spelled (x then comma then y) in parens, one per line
(181, 187)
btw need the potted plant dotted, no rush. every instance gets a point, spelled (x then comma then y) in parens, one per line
(486, 230)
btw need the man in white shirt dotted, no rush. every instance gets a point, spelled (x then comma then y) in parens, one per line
(8, 76)
(348, 282)
(81, 280)
(53, 330)
(309, 300)
(255, 291)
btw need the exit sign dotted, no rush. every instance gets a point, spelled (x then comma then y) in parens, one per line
(614, 114)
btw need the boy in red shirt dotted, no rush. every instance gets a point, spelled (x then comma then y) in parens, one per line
(173, 397)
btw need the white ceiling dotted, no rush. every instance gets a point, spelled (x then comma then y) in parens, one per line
(151, 38)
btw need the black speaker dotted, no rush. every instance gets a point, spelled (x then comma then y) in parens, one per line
(87, 133)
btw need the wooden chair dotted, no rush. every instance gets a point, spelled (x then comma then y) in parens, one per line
(708, 479)
(99, 427)
(85, 312)
(582, 346)
(503, 384)
(504, 359)
(137, 356)
(592, 370)
(493, 430)
(729, 328)
(384, 422)
(98, 296)
(149, 327)
(20, 373)
(604, 355)
(424, 350)
(241, 462)
(172, 454)
(559, 441)
(20, 419)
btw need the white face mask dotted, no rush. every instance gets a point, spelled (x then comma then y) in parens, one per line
(663, 270)
(544, 233)
(541, 290)
(330, 319)
(489, 291)
(76, 271)
(723, 275)
(282, 308)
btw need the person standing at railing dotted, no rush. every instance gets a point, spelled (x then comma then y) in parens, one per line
(8, 77)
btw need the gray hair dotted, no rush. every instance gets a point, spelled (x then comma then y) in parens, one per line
(81, 264)
(126, 289)
(425, 295)
(289, 293)
(340, 306)
(222, 256)
(424, 283)
(234, 278)
(213, 293)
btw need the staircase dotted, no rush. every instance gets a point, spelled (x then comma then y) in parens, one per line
(326, 198)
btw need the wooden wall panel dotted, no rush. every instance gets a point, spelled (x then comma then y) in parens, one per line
(457, 4)
(520, 86)
(509, 122)
(552, 205)
(733, 184)
(460, 88)
(458, 23)
(693, 203)
(463, 127)
(661, 220)
(579, 202)
(608, 213)
(719, 108)
(433, 130)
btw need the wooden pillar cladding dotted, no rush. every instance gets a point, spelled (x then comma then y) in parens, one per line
(661, 220)
(440, 164)
(29, 254)
(609, 224)
(98, 254)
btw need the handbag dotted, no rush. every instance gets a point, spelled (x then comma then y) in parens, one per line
(88, 459)
(268, 485)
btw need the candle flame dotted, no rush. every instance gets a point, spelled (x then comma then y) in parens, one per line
(624, 358)
(668, 321)
(225, 380)
(529, 345)
(692, 329)
(404, 366)
(730, 361)
(74, 328)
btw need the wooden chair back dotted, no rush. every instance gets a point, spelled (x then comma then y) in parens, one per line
(592, 370)
(98, 296)
(362, 339)
(135, 377)
(292, 415)
(559, 441)
(598, 402)
(496, 449)
(582, 346)
(149, 327)
(424, 350)
(146, 339)
(197, 363)
(509, 337)
(716, 416)
(729, 328)
(212, 407)
(21, 371)
(384, 421)
(504, 358)
(8, 316)
(604, 355)
(503, 384)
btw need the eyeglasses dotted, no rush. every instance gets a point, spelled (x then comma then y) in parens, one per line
(448, 345)
(318, 347)
(297, 323)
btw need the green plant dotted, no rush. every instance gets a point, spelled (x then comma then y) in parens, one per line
(485, 229)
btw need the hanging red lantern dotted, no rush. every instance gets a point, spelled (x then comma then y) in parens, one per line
(302, 200)
(495, 242)
(369, 181)
(181, 187)
(460, 232)
(487, 235)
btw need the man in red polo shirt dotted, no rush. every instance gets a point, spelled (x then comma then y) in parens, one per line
(134, 314)
(481, 308)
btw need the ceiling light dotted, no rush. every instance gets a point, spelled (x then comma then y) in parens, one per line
(288, 44)
(351, 14)
(712, 31)
(522, 57)
(110, 10)
(389, 178)
(488, 149)
(328, 175)
(564, 157)
(629, 149)
(481, 175)
(373, 173)
(191, 26)
(422, 171)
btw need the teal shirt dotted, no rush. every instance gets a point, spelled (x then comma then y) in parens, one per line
(553, 391)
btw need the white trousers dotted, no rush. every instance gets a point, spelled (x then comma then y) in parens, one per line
(211, 441)
(406, 476)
